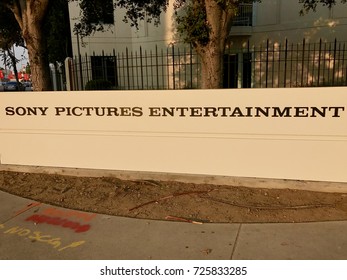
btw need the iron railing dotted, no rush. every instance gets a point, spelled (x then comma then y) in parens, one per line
(173, 68)
(268, 65)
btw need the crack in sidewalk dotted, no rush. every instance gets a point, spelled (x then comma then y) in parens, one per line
(236, 240)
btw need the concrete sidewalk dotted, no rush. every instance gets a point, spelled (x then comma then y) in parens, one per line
(32, 231)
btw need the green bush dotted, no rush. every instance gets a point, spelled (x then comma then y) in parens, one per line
(98, 84)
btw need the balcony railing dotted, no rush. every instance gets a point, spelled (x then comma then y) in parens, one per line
(244, 15)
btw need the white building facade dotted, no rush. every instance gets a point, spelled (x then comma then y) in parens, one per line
(270, 36)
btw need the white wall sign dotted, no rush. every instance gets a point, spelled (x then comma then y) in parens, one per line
(269, 133)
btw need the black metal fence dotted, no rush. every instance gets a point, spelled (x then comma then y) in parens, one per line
(173, 68)
(299, 65)
(264, 66)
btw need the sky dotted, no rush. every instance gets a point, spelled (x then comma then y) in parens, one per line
(22, 55)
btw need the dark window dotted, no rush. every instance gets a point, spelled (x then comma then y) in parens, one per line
(230, 70)
(105, 68)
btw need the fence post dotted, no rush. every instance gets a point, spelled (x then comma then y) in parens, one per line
(53, 76)
(334, 62)
(313, 64)
(163, 69)
(68, 74)
(191, 65)
(146, 69)
(343, 61)
(157, 65)
(81, 72)
(173, 66)
(279, 65)
(132, 70)
(273, 65)
(151, 66)
(267, 62)
(87, 67)
(285, 64)
(308, 64)
(328, 64)
(319, 56)
(302, 62)
(141, 69)
(127, 65)
(260, 64)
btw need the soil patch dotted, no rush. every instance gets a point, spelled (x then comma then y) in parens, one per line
(171, 200)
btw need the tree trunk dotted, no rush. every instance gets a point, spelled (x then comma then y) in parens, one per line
(211, 66)
(219, 20)
(38, 59)
(30, 15)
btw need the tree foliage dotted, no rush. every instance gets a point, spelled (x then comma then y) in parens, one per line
(57, 29)
(311, 5)
(44, 26)
(93, 13)
(192, 22)
(140, 9)
(10, 35)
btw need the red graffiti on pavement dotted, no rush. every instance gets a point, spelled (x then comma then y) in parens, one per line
(56, 221)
